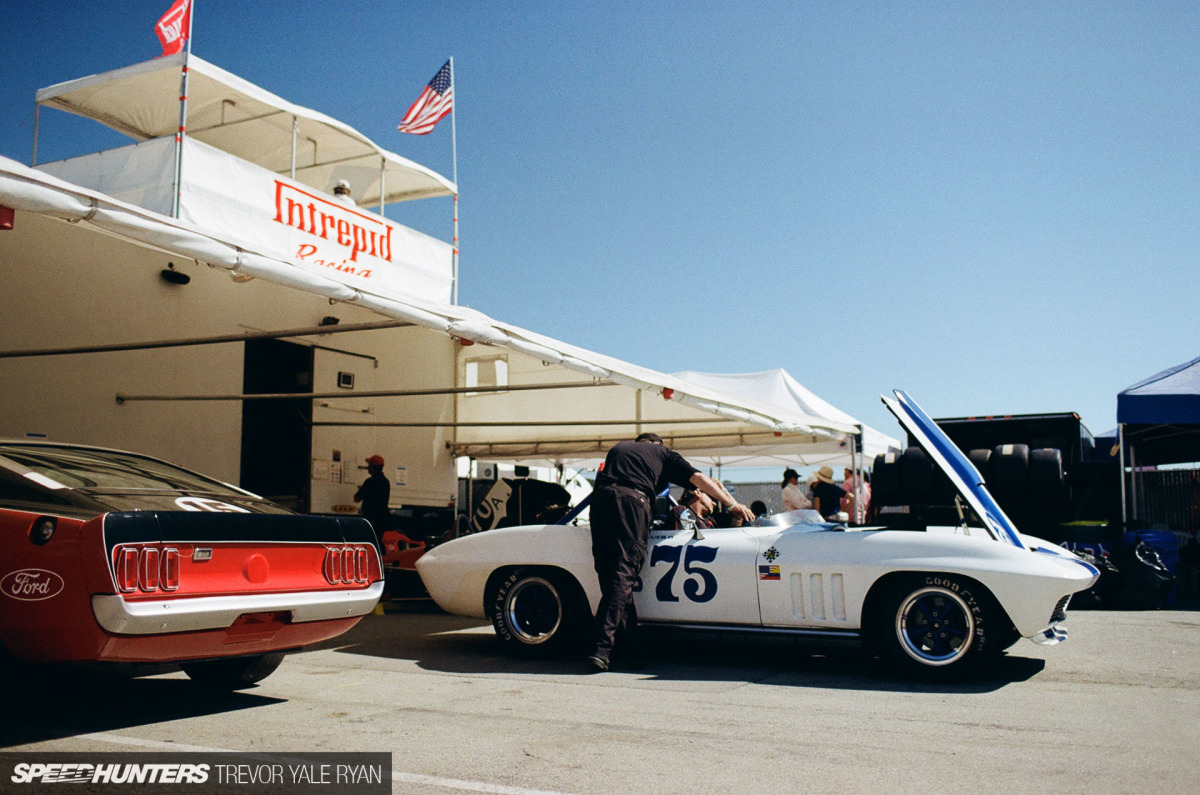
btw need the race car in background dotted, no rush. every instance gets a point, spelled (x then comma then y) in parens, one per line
(936, 601)
(108, 556)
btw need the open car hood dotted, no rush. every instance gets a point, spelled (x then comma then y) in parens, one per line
(955, 465)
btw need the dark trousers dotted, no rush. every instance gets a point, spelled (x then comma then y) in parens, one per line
(620, 529)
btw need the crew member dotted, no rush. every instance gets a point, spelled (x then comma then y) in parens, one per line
(633, 473)
(374, 494)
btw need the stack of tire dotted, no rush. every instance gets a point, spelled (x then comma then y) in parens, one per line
(1027, 484)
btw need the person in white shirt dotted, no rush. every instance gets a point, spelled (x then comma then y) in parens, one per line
(341, 192)
(793, 495)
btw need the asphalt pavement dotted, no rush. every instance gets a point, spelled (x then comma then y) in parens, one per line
(1114, 709)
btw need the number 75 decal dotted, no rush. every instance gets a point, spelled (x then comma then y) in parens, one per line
(691, 588)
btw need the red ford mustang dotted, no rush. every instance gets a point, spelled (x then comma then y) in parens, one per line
(114, 556)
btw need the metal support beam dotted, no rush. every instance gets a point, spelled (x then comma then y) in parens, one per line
(181, 343)
(350, 393)
(511, 424)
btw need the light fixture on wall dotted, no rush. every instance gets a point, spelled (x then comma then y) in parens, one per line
(172, 276)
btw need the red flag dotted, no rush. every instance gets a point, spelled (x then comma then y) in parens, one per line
(435, 102)
(175, 27)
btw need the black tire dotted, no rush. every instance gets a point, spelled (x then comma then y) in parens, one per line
(916, 476)
(981, 457)
(939, 626)
(1009, 470)
(1046, 475)
(232, 673)
(537, 611)
(885, 481)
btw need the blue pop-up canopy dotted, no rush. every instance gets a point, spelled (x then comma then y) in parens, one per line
(1158, 422)
(1171, 397)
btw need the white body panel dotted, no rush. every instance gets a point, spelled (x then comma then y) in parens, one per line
(824, 574)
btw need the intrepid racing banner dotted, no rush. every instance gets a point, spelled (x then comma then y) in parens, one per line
(270, 214)
(180, 773)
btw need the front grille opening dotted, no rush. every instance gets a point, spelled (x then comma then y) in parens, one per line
(1060, 610)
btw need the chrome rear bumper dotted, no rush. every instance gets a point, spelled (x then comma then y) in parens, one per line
(163, 616)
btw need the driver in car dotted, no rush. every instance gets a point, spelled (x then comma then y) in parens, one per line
(701, 506)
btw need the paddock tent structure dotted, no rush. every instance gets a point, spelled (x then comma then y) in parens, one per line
(512, 394)
(1158, 422)
(254, 234)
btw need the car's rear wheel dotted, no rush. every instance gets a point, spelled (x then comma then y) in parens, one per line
(232, 673)
(939, 626)
(537, 611)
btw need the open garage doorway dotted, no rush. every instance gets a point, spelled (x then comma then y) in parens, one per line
(277, 434)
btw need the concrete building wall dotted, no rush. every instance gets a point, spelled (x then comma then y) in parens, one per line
(64, 285)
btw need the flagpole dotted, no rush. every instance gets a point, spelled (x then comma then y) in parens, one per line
(183, 90)
(454, 156)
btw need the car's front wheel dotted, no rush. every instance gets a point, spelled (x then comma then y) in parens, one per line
(939, 626)
(537, 611)
(232, 673)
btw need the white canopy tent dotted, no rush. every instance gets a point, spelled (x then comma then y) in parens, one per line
(779, 388)
(234, 115)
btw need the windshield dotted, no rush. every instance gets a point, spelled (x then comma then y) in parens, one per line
(104, 471)
(789, 518)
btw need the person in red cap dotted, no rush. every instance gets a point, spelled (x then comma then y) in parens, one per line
(374, 494)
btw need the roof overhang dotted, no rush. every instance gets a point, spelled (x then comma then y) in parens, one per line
(236, 116)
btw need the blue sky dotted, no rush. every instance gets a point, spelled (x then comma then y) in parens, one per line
(993, 206)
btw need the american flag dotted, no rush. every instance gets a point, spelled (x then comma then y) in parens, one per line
(435, 102)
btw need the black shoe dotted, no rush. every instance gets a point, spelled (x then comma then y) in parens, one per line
(598, 663)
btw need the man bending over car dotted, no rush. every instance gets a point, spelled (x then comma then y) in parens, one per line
(633, 473)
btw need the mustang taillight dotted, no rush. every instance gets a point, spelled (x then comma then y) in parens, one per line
(348, 564)
(169, 575)
(127, 570)
(146, 569)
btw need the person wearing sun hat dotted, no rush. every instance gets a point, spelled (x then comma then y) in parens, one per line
(827, 495)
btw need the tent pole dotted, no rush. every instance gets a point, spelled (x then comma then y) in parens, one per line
(470, 494)
(183, 90)
(454, 166)
(1121, 469)
(1133, 485)
(295, 129)
(37, 110)
(382, 185)
(855, 463)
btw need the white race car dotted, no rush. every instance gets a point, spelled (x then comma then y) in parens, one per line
(939, 601)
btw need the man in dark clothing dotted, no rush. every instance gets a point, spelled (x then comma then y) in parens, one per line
(633, 473)
(374, 494)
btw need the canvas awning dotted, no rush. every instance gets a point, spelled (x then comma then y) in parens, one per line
(778, 388)
(621, 398)
(238, 117)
